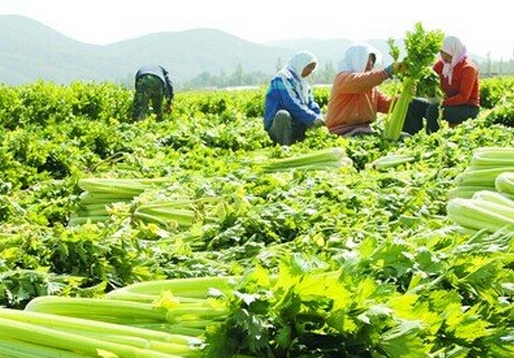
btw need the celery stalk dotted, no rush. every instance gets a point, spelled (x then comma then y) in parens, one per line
(12, 348)
(72, 342)
(65, 322)
(398, 112)
(91, 307)
(196, 287)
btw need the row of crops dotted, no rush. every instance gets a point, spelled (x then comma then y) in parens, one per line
(350, 260)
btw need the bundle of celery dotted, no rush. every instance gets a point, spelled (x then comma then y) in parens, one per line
(421, 47)
(100, 193)
(124, 197)
(504, 183)
(180, 306)
(317, 160)
(154, 319)
(180, 213)
(486, 210)
(391, 161)
(39, 334)
(486, 165)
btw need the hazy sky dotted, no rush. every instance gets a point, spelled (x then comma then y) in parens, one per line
(487, 29)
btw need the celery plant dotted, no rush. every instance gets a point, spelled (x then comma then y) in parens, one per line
(421, 47)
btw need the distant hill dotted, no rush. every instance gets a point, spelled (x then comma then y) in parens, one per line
(331, 50)
(31, 51)
(189, 53)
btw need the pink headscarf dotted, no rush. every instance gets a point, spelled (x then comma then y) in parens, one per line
(455, 48)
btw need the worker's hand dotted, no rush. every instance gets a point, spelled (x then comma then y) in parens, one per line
(319, 122)
(168, 108)
(399, 67)
(414, 89)
(395, 68)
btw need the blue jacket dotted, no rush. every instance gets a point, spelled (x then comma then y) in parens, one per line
(285, 92)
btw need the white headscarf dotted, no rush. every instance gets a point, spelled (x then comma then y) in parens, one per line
(297, 63)
(300, 60)
(455, 48)
(357, 55)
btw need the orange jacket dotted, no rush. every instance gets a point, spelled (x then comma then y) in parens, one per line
(464, 88)
(355, 99)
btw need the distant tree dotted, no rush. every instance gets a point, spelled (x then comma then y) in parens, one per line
(324, 75)
(279, 65)
(512, 63)
(488, 63)
(127, 81)
(239, 74)
(237, 78)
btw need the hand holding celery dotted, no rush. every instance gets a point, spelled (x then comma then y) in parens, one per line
(421, 47)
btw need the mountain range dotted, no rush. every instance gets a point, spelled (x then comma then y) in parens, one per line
(31, 51)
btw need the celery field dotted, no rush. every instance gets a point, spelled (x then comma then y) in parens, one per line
(197, 237)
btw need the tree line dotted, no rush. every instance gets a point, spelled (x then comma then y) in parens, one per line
(324, 75)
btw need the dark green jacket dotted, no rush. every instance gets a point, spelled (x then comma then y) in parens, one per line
(162, 74)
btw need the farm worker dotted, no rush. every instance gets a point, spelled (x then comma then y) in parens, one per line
(355, 98)
(290, 108)
(458, 77)
(152, 85)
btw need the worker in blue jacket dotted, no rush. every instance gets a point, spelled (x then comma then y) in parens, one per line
(290, 108)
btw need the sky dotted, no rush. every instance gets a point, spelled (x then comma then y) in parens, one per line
(486, 30)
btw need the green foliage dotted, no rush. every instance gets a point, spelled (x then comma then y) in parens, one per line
(18, 287)
(503, 111)
(406, 282)
(494, 90)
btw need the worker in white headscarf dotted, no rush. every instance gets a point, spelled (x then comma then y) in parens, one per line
(458, 76)
(355, 98)
(290, 108)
